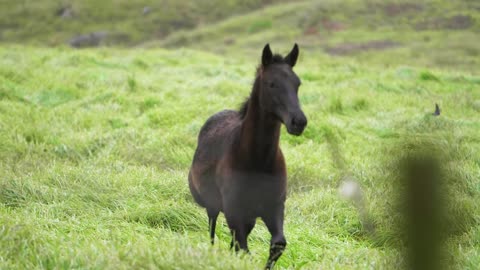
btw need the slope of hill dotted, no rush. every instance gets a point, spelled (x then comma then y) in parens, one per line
(434, 33)
(46, 22)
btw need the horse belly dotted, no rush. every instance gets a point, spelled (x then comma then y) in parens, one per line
(204, 185)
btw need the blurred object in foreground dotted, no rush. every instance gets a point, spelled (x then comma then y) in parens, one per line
(423, 211)
(349, 187)
(435, 197)
(351, 190)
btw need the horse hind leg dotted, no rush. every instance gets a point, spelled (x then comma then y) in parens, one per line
(211, 212)
(212, 223)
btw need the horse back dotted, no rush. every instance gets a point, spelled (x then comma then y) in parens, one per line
(215, 136)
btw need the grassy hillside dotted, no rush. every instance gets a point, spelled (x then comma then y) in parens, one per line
(54, 22)
(95, 147)
(435, 33)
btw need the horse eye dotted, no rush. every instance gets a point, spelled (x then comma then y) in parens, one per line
(271, 84)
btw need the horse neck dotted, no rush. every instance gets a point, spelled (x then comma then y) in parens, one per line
(260, 134)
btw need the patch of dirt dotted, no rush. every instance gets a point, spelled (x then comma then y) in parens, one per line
(93, 39)
(352, 48)
(395, 9)
(392, 9)
(310, 31)
(327, 24)
(457, 22)
(333, 25)
(229, 41)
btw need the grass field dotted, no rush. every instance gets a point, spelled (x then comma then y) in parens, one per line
(95, 144)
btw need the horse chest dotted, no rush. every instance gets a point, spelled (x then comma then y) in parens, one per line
(253, 193)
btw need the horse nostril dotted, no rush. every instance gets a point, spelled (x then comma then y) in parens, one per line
(294, 122)
(302, 121)
(299, 121)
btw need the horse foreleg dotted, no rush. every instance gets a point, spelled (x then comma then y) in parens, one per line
(248, 229)
(278, 243)
(239, 232)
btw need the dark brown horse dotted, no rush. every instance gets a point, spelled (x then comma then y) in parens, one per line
(238, 167)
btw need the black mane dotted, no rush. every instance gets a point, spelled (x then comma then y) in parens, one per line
(243, 108)
(277, 59)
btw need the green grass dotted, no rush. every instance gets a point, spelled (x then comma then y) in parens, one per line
(95, 147)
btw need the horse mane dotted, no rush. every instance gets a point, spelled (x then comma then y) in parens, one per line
(276, 59)
(243, 108)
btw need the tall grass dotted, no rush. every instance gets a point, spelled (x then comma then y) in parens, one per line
(95, 147)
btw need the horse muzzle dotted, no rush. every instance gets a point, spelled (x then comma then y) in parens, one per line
(296, 124)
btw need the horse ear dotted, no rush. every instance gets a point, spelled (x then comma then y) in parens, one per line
(292, 57)
(267, 55)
